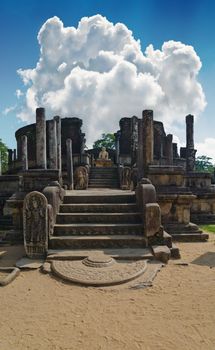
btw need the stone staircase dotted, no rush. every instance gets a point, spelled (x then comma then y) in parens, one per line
(98, 219)
(103, 177)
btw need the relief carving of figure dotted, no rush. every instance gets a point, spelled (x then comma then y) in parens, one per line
(81, 178)
(35, 216)
(125, 178)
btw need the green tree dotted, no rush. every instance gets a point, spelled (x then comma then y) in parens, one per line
(4, 156)
(107, 140)
(204, 164)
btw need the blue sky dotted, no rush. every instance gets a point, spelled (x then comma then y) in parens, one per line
(152, 21)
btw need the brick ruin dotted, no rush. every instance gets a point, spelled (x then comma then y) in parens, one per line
(163, 195)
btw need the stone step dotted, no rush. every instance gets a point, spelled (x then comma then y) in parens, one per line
(104, 183)
(101, 241)
(104, 218)
(107, 176)
(114, 198)
(190, 237)
(103, 179)
(125, 253)
(97, 229)
(98, 208)
(165, 239)
(103, 186)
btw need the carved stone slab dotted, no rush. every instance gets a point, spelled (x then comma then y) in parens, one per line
(81, 178)
(35, 224)
(97, 271)
(125, 178)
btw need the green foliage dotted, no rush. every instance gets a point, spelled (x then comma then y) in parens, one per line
(204, 164)
(107, 140)
(208, 228)
(4, 156)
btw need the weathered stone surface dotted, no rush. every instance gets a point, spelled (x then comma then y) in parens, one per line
(41, 138)
(190, 151)
(52, 132)
(175, 252)
(24, 150)
(46, 267)
(145, 193)
(125, 178)
(148, 139)
(161, 252)
(169, 149)
(69, 164)
(152, 219)
(7, 275)
(124, 253)
(81, 178)
(116, 273)
(31, 264)
(2, 254)
(35, 224)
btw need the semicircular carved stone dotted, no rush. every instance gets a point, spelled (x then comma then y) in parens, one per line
(81, 178)
(35, 224)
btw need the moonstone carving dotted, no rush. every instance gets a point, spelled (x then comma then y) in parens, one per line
(35, 224)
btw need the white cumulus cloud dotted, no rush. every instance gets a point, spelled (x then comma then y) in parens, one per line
(99, 73)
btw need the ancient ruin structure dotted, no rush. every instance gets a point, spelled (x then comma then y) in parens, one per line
(149, 193)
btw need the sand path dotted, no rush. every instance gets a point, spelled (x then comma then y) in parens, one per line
(178, 312)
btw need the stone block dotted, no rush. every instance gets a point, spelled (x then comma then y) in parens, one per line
(161, 252)
(152, 219)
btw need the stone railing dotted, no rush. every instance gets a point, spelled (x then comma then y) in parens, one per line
(147, 204)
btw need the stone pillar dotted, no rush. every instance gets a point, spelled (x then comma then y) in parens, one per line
(148, 140)
(14, 155)
(10, 158)
(190, 151)
(69, 163)
(117, 136)
(52, 132)
(58, 128)
(140, 150)
(175, 150)
(24, 154)
(169, 149)
(41, 138)
(134, 139)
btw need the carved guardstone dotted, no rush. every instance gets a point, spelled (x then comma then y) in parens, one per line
(125, 178)
(35, 224)
(81, 178)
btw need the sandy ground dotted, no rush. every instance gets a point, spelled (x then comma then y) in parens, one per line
(178, 312)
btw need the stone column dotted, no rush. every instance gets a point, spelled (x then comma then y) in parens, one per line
(10, 158)
(69, 163)
(175, 150)
(58, 128)
(140, 150)
(169, 149)
(148, 140)
(190, 151)
(24, 154)
(14, 154)
(41, 138)
(52, 132)
(117, 136)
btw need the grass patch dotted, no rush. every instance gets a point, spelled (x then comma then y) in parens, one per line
(208, 228)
